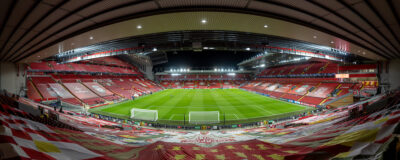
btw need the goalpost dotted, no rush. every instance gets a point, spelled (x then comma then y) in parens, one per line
(203, 117)
(144, 114)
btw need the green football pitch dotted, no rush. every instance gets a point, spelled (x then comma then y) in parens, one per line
(232, 104)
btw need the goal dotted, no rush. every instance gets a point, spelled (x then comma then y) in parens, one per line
(203, 117)
(144, 114)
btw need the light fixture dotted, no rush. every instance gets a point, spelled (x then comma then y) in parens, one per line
(247, 49)
(231, 74)
(205, 47)
(332, 42)
(265, 26)
(139, 26)
(363, 53)
(154, 49)
(91, 37)
(203, 21)
(314, 37)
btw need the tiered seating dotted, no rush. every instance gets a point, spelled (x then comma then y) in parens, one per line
(290, 96)
(330, 68)
(310, 91)
(343, 133)
(221, 76)
(120, 88)
(314, 69)
(129, 86)
(39, 66)
(215, 77)
(86, 78)
(60, 67)
(83, 93)
(189, 84)
(311, 100)
(73, 101)
(101, 91)
(42, 84)
(8, 108)
(350, 132)
(74, 75)
(66, 78)
(32, 92)
(344, 89)
(53, 66)
(299, 69)
(323, 90)
(203, 76)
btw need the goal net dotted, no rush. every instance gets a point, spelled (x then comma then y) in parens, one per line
(144, 114)
(203, 117)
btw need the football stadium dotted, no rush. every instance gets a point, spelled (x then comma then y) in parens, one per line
(200, 79)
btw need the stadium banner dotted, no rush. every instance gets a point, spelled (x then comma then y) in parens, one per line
(98, 89)
(46, 91)
(60, 90)
(80, 90)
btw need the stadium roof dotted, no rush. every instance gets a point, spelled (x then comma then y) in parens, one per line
(32, 30)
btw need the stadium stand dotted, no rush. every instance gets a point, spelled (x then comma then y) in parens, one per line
(76, 84)
(328, 132)
(301, 70)
(200, 80)
(304, 90)
(203, 81)
(52, 66)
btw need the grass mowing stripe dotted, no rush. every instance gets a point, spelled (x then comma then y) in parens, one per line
(238, 104)
(184, 101)
(259, 103)
(225, 105)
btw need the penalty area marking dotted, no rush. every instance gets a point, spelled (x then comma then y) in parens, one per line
(170, 118)
(263, 109)
(173, 116)
(234, 115)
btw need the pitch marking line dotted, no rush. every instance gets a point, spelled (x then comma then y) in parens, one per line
(234, 115)
(170, 118)
(263, 109)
